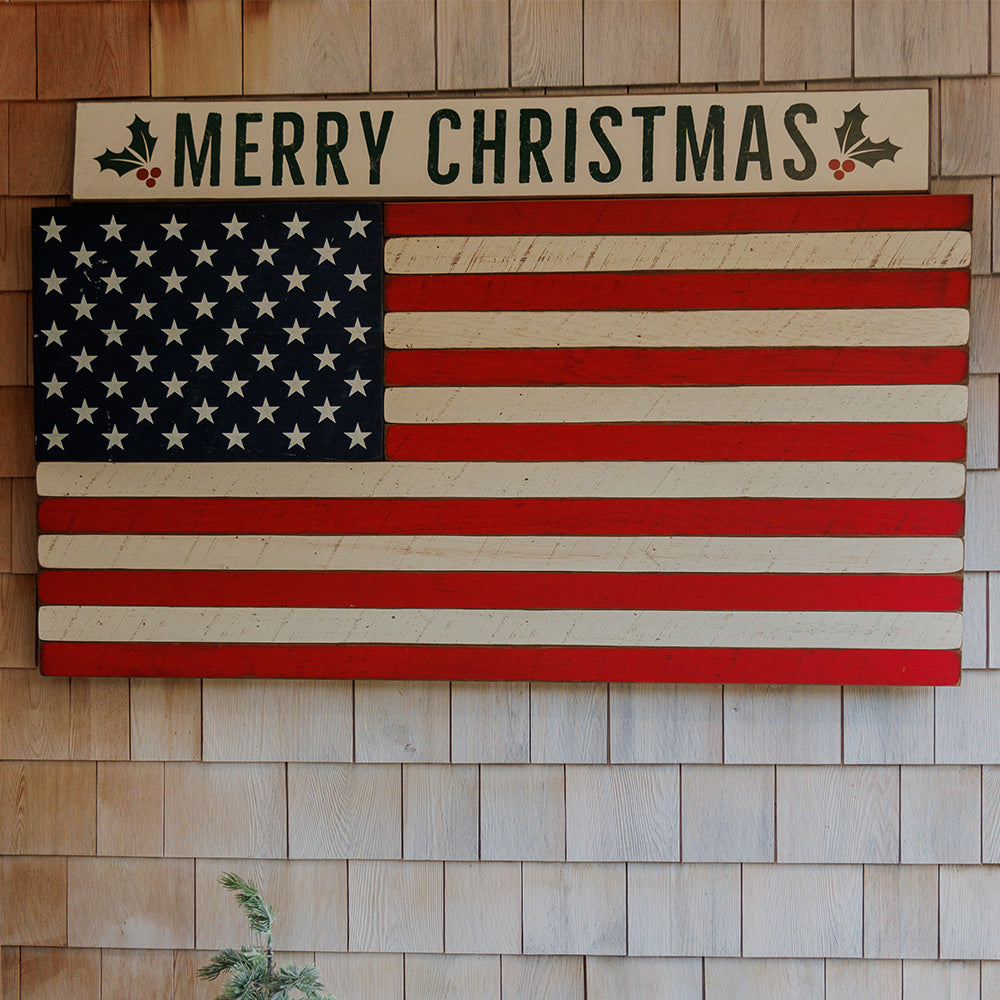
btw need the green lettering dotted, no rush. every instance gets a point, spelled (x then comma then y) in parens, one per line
(498, 144)
(243, 146)
(434, 146)
(753, 126)
(648, 116)
(375, 144)
(328, 153)
(284, 152)
(531, 149)
(715, 133)
(569, 163)
(808, 167)
(208, 155)
(614, 167)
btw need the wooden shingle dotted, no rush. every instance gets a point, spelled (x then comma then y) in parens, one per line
(482, 907)
(901, 911)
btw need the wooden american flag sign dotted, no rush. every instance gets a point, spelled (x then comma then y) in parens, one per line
(679, 440)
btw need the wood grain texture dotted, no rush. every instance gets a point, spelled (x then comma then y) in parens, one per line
(630, 42)
(34, 891)
(4, 147)
(963, 721)
(940, 815)
(982, 216)
(186, 985)
(93, 50)
(684, 909)
(990, 980)
(16, 416)
(99, 718)
(195, 48)
(24, 546)
(301, 48)
(490, 722)
(955, 980)
(52, 972)
(728, 813)
(361, 977)
(807, 41)
(576, 909)
(10, 971)
(975, 621)
(15, 246)
(215, 810)
(396, 906)
(473, 44)
(993, 619)
(440, 812)
(130, 809)
(47, 807)
(452, 977)
(984, 422)
(889, 725)
(482, 907)
(622, 812)
(310, 898)
(401, 722)
(984, 312)
(764, 979)
(34, 716)
(969, 922)
(137, 973)
(279, 720)
(403, 55)
(825, 919)
(546, 43)
(837, 815)
(901, 911)
(17, 54)
(665, 723)
(720, 40)
(41, 147)
(6, 518)
(968, 142)
(531, 977)
(569, 724)
(522, 813)
(991, 814)
(165, 718)
(613, 978)
(857, 979)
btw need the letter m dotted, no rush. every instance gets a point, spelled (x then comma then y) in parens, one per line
(714, 141)
(209, 154)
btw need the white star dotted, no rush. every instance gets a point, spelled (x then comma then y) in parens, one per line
(112, 229)
(173, 280)
(235, 437)
(112, 282)
(175, 438)
(174, 332)
(357, 226)
(357, 436)
(357, 332)
(357, 279)
(296, 384)
(52, 230)
(84, 412)
(326, 305)
(54, 386)
(296, 280)
(115, 437)
(264, 252)
(265, 306)
(357, 384)
(204, 255)
(204, 359)
(83, 360)
(264, 359)
(234, 333)
(296, 438)
(144, 360)
(174, 385)
(265, 411)
(234, 227)
(143, 307)
(204, 307)
(144, 412)
(114, 334)
(234, 385)
(295, 226)
(327, 358)
(143, 256)
(205, 411)
(234, 280)
(53, 335)
(295, 332)
(54, 438)
(173, 228)
(52, 283)
(115, 386)
(326, 411)
(326, 252)
(82, 255)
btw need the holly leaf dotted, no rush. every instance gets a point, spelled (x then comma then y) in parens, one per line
(870, 153)
(121, 163)
(142, 142)
(852, 131)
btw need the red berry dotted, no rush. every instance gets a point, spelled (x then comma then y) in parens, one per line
(155, 172)
(838, 174)
(835, 164)
(151, 183)
(848, 165)
(142, 173)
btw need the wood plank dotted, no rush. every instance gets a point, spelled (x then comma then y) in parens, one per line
(991, 814)
(16, 457)
(490, 722)
(4, 147)
(440, 812)
(940, 815)
(17, 58)
(14, 335)
(955, 980)
(452, 977)
(401, 722)
(34, 716)
(186, 985)
(765, 979)
(856, 979)
(309, 897)
(482, 907)
(143, 973)
(963, 731)
(214, 810)
(980, 191)
(15, 246)
(38, 915)
(574, 909)
(130, 809)
(396, 906)
(522, 813)
(49, 972)
(975, 621)
(982, 504)
(569, 724)
(344, 811)
(196, 48)
(41, 147)
(542, 977)
(984, 422)
(99, 718)
(729, 813)
(165, 715)
(613, 978)
(720, 40)
(473, 44)
(970, 924)
(93, 50)
(622, 813)
(665, 723)
(360, 976)
(134, 903)
(24, 541)
(901, 911)
(6, 519)
(10, 972)
(280, 720)
(968, 142)
(305, 48)
(546, 43)
(804, 42)
(891, 725)
(48, 807)
(984, 312)
(684, 909)
(630, 42)
(402, 54)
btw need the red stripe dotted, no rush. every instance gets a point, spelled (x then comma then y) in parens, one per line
(764, 442)
(651, 591)
(526, 516)
(680, 290)
(665, 366)
(824, 213)
(678, 666)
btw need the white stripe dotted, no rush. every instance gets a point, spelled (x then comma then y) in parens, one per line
(697, 328)
(670, 252)
(646, 554)
(722, 404)
(863, 480)
(768, 629)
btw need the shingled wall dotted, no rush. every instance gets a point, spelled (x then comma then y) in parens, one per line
(486, 840)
